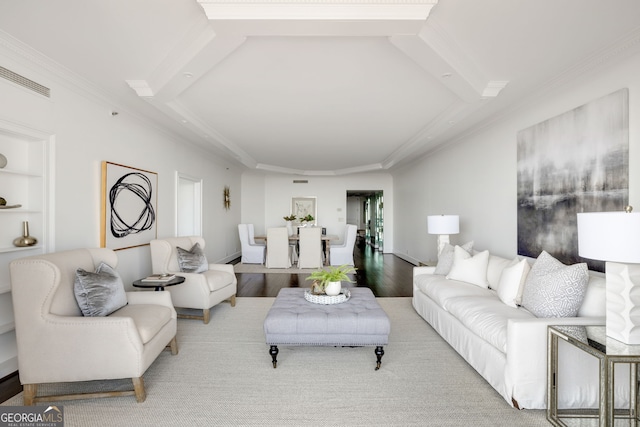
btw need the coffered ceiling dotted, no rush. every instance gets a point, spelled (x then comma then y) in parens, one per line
(322, 87)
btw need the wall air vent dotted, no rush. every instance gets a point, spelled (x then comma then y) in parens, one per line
(24, 82)
(300, 181)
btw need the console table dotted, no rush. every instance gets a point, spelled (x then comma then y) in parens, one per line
(609, 352)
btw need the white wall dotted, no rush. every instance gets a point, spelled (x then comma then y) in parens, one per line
(267, 198)
(476, 177)
(85, 135)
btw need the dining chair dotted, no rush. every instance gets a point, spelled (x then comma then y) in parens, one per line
(278, 249)
(251, 253)
(310, 255)
(341, 254)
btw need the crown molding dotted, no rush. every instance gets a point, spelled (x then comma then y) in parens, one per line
(318, 9)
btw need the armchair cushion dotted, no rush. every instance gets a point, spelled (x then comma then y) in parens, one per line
(149, 319)
(217, 279)
(193, 260)
(100, 293)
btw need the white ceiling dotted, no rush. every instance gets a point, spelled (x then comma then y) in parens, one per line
(323, 87)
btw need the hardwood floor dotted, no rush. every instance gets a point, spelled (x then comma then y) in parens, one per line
(385, 274)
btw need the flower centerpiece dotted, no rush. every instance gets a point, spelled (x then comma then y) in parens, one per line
(329, 281)
(306, 219)
(288, 218)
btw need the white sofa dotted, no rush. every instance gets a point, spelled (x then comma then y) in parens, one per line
(508, 345)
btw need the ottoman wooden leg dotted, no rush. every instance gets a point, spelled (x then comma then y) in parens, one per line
(379, 353)
(273, 351)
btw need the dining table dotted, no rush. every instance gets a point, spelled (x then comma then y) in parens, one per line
(324, 238)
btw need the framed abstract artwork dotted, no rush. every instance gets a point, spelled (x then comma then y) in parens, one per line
(575, 162)
(303, 206)
(129, 206)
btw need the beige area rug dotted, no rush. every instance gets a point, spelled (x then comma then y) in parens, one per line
(223, 376)
(260, 268)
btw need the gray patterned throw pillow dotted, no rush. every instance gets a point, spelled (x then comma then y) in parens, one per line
(445, 259)
(193, 260)
(553, 289)
(100, 293)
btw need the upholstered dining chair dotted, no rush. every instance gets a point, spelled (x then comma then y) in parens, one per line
(74, 323)
(343, 253)
(310, 255)
(206, 286)
(252, 253)
(278, 249)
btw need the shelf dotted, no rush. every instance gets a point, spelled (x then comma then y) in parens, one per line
(21, 173)
(19, 210)
(7, 327)
(17, 249)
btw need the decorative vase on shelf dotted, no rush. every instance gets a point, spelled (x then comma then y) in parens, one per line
(333, 288)
(25, 240)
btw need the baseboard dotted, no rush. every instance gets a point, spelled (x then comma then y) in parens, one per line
(407, 258)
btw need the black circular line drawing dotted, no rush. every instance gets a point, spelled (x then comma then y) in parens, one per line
(139, 186)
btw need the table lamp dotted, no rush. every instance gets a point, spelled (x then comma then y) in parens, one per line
(614, 237)
(443, 225)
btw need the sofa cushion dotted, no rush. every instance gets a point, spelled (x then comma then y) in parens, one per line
(217, 279)
(445, 258)
(470, 269)
(486, 317)
(511, 284)
(494, 269)
(149, 319)
(553, 289)
(193, 260)
(441, 290)
(100, 293)
(594, 303)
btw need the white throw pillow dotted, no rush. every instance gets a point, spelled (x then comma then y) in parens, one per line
(511, 284)
(470, 269)
(445, 258)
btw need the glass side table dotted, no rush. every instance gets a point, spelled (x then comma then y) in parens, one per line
(609, 352)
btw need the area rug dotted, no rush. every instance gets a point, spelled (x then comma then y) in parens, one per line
(223, 376)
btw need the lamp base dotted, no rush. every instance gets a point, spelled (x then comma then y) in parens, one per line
(443, 239)
(623, 302)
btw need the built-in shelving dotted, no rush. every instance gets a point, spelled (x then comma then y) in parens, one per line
(23, 181)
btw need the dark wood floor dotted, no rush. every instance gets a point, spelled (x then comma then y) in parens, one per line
(385, 274)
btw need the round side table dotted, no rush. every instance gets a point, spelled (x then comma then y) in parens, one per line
(158, 286)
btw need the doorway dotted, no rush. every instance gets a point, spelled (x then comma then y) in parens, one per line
(188, 205)
(365, 209)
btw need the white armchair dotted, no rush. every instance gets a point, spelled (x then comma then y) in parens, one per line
(343, 253)
(199, 291)
(57, 344)
(252, 253)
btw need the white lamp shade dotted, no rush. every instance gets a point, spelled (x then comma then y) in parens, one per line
(609, 236)
(443, 224)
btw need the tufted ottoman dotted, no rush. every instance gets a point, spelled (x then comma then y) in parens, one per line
(360, 321)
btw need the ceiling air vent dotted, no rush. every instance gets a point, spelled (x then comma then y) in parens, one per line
(300, 181)
(24, 82)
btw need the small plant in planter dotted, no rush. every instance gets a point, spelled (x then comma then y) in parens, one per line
(289, 218)
(321, 278)
(308, 218)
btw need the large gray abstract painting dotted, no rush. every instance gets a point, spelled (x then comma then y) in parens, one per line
(575, 162)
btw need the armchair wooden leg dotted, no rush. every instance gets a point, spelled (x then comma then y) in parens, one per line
(206, 315)
(232, 300)
(29, 394)
(174, 346)
(138, 388)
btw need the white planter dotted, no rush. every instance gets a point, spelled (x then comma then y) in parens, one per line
(333, 288)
